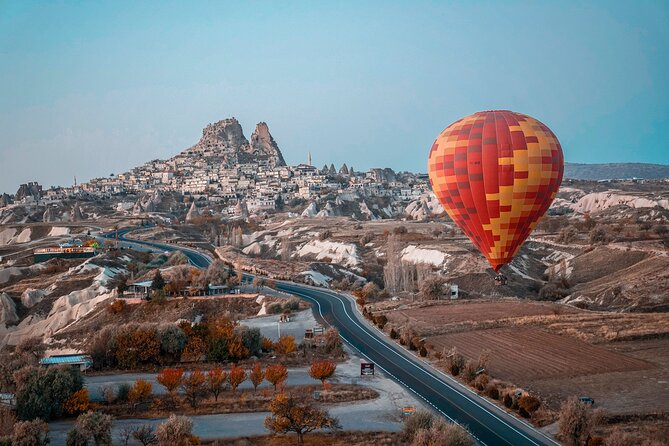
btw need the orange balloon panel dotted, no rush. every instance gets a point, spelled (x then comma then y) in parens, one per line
(496, 173)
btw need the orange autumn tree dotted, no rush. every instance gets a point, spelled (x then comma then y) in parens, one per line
(78, 402)
(170, 379)
(195, 349)
(292, 413)
(322, 370)
(276, 374)
(216, 379)
(194, 386)
(236, 377)
(285, 345)
(140, 392)
(257, 375)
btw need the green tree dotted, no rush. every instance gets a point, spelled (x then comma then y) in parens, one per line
(252, 339)
(172, 342)
(42, 392)
(158, 282)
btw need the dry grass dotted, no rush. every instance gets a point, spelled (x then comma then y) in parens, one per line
(348, 438)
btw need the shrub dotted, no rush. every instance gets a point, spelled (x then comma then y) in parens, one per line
(123, 392)
(176, 431)
(527, 405)
(400, 230)
(266, 344)
(508, 400)
(78, 402)
(95, 428)
(481, 382)
(422, 351)
(333, 344)
(492, 391)
(421, 419)
(393, 334)
(30, 433)
(599, 236)
(576, 422)
(469, 371)
(381, 320)
(274, 308)
(140, 392)
(285, 345)
(567, 235)
(370, 291)
(117, 306)
(442, 433)
(456, 362)
(432, 288)
(292, 304)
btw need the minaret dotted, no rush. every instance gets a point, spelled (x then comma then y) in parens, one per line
(309, 159)
(75, 181)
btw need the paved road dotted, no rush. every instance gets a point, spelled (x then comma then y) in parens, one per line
(359, 416)
(487, 422)
(490, 424)
(196, 258)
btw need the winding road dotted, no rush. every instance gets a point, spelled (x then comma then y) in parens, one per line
(489, 423)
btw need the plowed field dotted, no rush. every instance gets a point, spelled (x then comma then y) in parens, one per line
(523, 354)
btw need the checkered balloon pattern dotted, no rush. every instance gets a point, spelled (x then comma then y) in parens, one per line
(496, 173)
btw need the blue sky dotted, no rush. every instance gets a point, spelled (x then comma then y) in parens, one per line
(91, 88)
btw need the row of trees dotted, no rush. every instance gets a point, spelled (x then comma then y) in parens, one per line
(133, 345)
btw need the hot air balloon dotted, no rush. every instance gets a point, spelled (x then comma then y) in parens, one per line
(496, 173)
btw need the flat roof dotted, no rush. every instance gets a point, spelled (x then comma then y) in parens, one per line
(66, 359)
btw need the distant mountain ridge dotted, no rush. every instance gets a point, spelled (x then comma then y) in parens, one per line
(614, 171)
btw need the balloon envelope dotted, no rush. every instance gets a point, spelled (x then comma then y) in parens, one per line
(496, 173)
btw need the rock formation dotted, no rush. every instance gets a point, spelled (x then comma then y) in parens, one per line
(32, 189)
(76, 214)
(193, 213)
(5, 200)
(7, 310)
(49, 215)
(30, 297)
(225, 140)
(264, 146)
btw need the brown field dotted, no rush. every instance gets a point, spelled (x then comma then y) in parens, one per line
(522, 354)
(477, 311)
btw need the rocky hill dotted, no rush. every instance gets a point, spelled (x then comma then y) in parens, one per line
(614, 171)
(225, 140)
